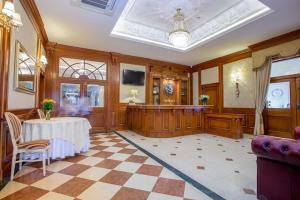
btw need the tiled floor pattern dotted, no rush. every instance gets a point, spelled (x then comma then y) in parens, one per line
(225, 166)
(112, 169)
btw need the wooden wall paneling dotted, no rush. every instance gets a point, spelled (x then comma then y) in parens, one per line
(6, 147)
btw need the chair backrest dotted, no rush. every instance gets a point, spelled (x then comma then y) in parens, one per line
(41, 114)
(15, 128)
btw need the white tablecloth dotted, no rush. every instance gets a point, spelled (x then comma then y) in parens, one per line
(67, 135)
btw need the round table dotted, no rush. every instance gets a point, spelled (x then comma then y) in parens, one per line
(67, 135)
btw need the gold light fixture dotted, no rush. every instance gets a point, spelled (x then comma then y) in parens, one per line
(8, 17)
(179, 36)
(236, 78)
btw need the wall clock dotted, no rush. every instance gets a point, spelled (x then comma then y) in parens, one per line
(277, 93)
(169, 89)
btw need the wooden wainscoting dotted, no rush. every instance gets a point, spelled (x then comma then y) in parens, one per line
(226, 125)
(6, 145)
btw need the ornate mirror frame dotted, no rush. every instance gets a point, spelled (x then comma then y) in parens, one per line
(18, 60)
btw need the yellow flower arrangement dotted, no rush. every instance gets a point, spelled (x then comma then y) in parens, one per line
(48, 104)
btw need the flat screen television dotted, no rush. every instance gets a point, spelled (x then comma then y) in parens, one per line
(131, 77)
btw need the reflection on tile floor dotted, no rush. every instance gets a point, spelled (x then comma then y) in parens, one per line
(225, 166)
(112, 169)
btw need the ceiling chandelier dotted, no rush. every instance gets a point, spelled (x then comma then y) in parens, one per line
(179, 36)
(8, 17)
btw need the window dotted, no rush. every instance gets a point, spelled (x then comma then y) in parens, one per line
(278, 95)
(286, 67)
(95, 95)
(69, 95)
(76, 68)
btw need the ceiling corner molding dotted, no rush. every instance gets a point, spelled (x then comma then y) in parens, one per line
(294, 35)
(36, 19)
(239, 55)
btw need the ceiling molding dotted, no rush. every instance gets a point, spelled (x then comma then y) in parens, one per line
(294, 35)
(36, 19)
(246, 53)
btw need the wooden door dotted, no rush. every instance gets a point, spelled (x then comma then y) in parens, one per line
(281, 107)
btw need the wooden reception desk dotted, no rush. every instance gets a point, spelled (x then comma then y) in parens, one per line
(166, 120)
(176, 120)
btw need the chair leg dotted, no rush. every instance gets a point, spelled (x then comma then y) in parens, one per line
(44, 163)
(20, 161)
(13, 164)
(48, 153)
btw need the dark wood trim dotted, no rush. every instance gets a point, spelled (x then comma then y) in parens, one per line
(4, 70)
(246, 53)
(36, 19)
(294, 35)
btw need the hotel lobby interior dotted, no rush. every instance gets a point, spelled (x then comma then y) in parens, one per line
(149, 99)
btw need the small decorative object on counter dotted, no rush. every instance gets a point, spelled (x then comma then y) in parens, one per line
(132, 98)
(48, 106)
(204, 99)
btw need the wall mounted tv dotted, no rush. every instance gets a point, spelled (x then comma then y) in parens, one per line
(131, 77)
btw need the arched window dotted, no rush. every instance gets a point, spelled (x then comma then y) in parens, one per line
(76, 68)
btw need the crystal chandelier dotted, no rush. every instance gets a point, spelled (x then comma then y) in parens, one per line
(179, 36)
(8, 17)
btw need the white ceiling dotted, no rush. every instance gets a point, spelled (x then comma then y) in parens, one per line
(71, 25)
(150, 21)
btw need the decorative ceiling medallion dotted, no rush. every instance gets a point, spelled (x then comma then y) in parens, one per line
(151, 21)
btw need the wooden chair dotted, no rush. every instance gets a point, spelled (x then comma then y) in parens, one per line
(41, 114)
(20, 147)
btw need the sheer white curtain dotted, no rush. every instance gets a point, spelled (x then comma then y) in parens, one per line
(262, 75)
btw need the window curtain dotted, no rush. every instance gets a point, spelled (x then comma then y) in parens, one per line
(262, 75)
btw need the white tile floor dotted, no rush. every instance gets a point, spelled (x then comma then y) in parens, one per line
(223, 165)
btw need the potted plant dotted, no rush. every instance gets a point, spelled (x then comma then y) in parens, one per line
(204, 99)
(48, 106)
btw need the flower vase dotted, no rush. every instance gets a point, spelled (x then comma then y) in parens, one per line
(48, 114)
(204, 103)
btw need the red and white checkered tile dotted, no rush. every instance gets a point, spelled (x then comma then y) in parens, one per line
(112, 169)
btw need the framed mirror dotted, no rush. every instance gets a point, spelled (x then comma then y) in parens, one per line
(25, 70)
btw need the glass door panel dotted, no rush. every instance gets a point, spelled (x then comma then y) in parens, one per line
(95, 95)
(69, 95)
(279, 95)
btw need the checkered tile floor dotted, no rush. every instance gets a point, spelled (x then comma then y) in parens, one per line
(112, 169)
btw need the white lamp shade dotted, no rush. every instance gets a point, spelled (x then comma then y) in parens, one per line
(179, 38)
(9, 9)
(17, 20)
(44, 60)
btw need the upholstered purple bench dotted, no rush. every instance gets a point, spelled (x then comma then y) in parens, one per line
(278, 167)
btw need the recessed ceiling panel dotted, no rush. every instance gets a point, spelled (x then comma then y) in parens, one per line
(150, 21)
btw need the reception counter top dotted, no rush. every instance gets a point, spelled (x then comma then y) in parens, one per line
(166, 120)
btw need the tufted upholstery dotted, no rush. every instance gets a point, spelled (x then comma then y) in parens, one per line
(278, 167)
(280, 149)
(297, 133)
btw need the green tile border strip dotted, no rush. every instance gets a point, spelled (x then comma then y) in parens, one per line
(185, 177)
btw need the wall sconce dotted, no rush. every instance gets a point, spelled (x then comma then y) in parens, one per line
(8, 17)
(236, 78)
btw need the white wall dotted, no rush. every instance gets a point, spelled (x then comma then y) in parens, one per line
(210, 75)
(27, 35)
(195, 88)
(246, 98)
(125, 89)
